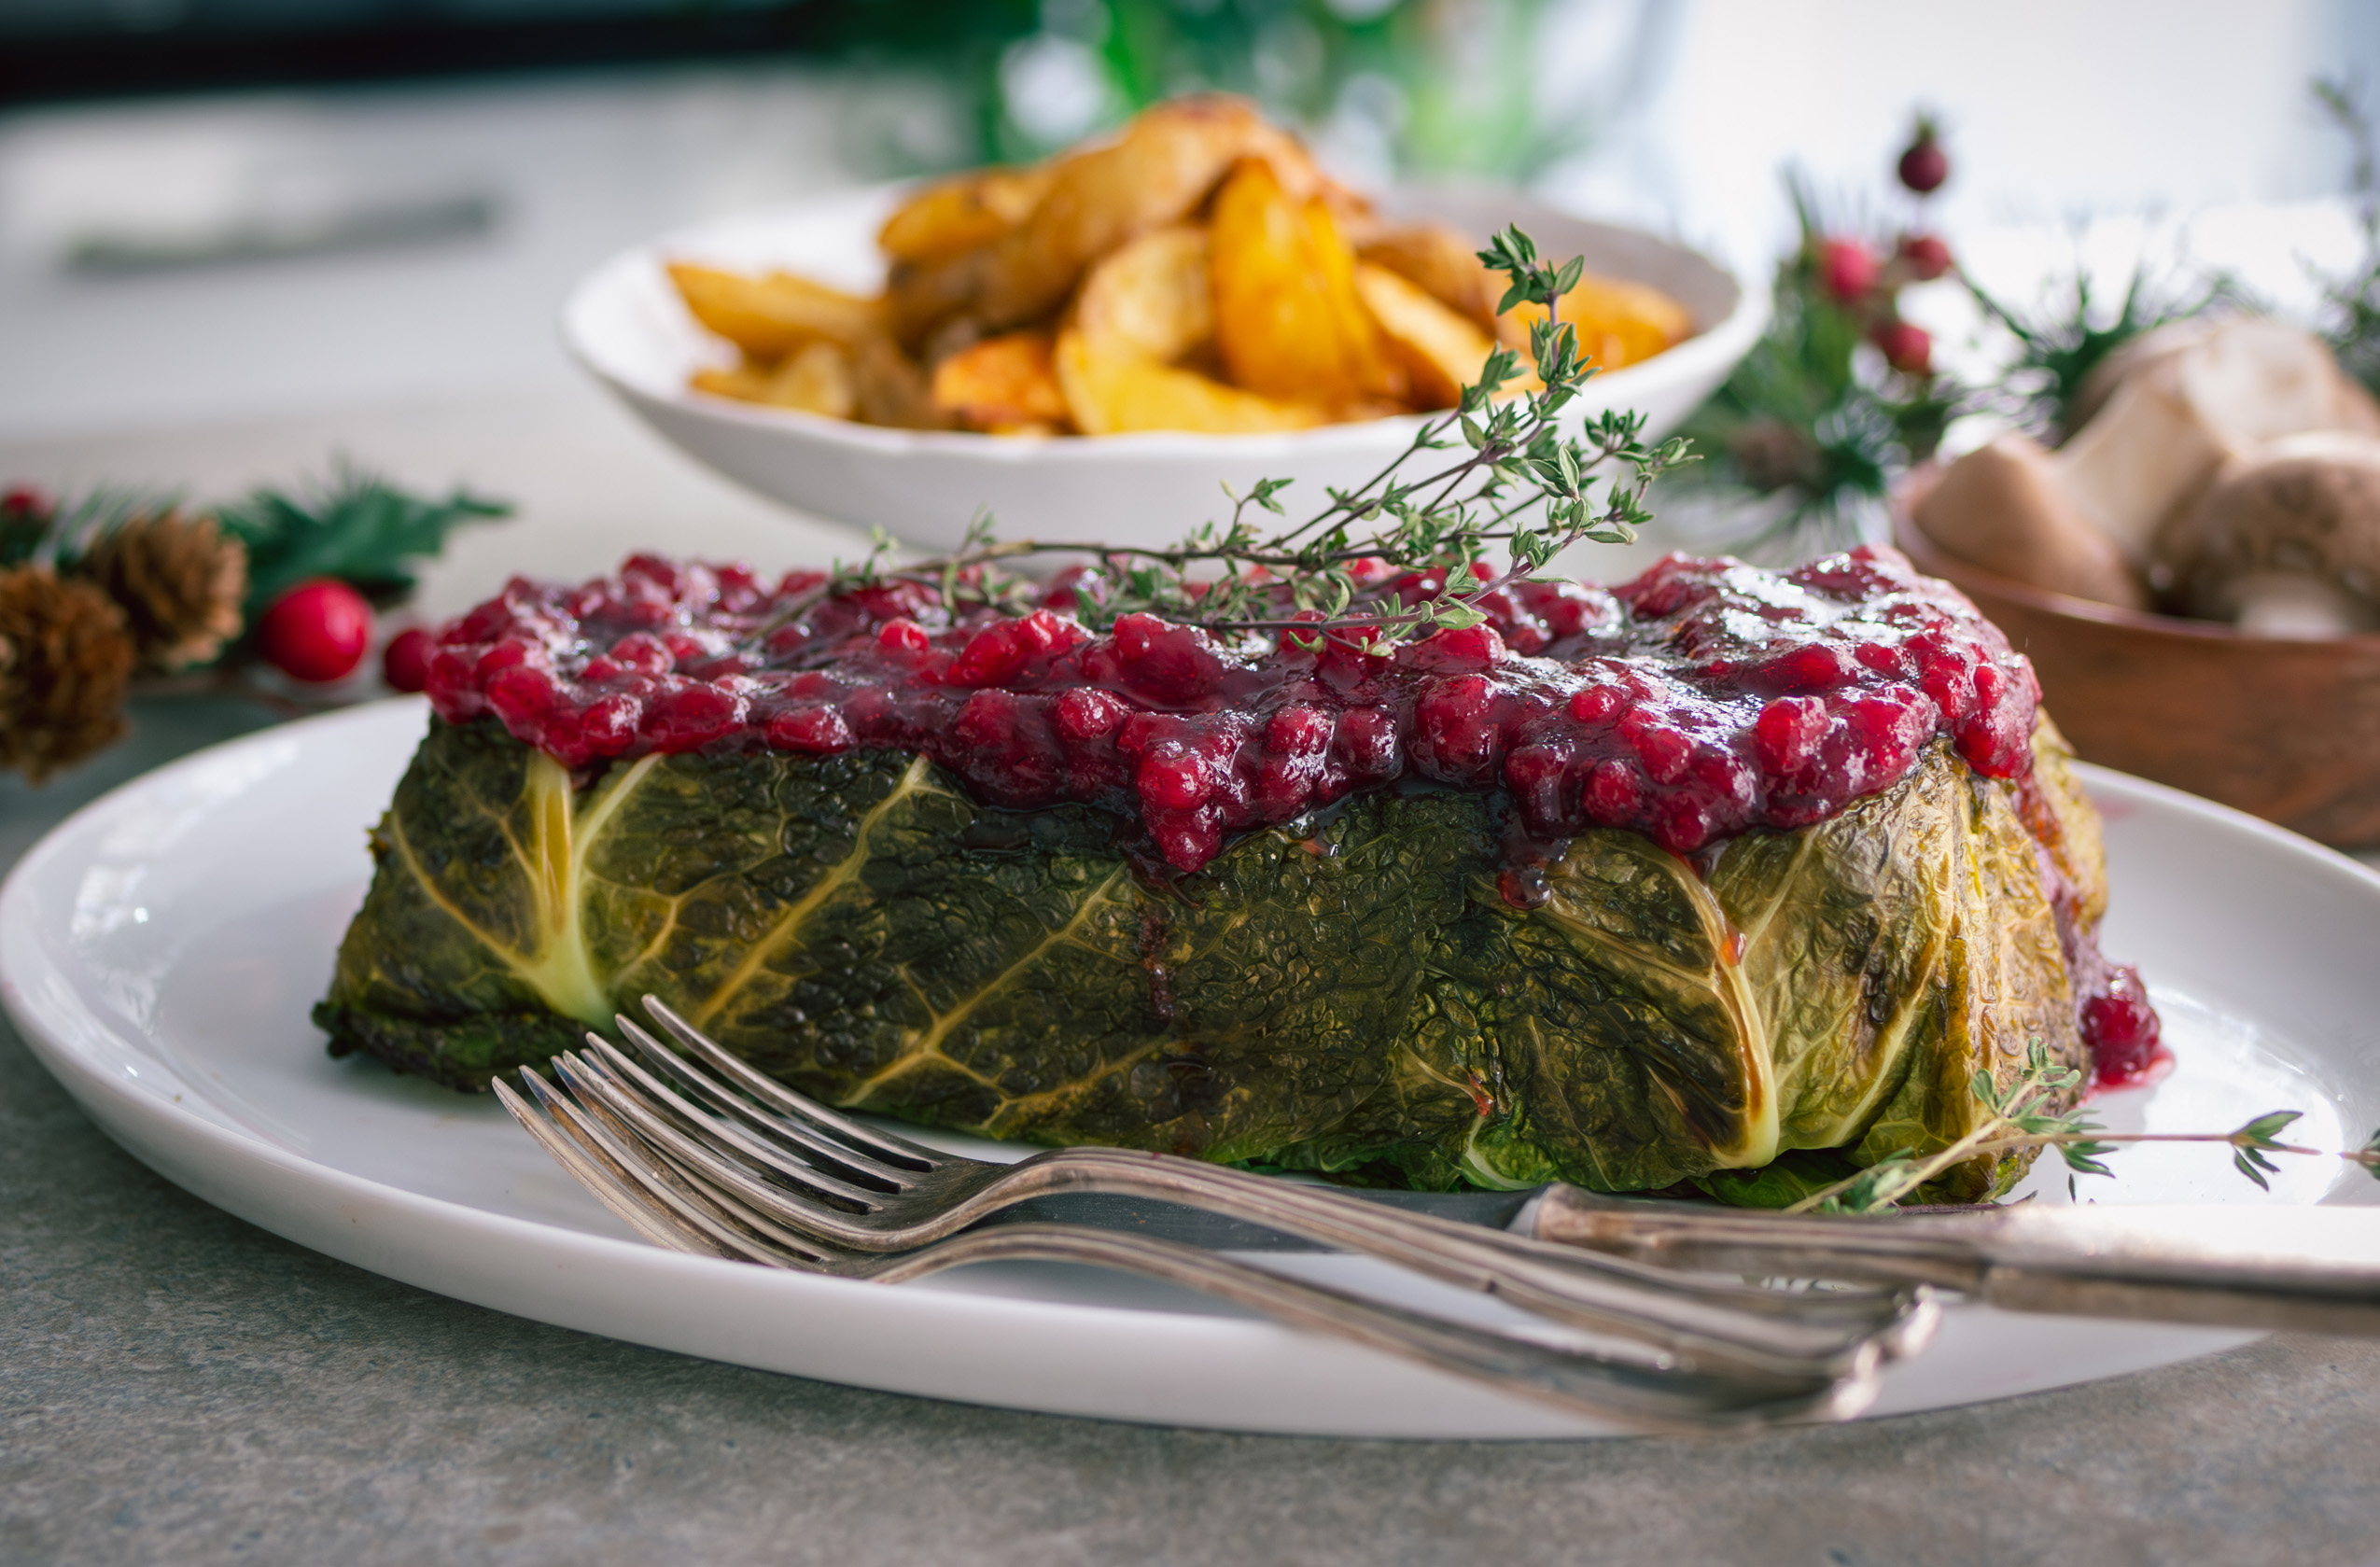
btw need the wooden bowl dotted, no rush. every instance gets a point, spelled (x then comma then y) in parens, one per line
(2286, 730)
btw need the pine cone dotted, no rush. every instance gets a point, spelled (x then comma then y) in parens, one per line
(180, 581)
(67, 660)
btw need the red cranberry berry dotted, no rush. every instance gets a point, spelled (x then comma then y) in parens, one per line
(687, 715)
(2121, 1029)
(1787, 732)
(1538, 774)
(1367, 743)
(903, 637)
(404, 663)
(1597, 704)
(1614, 792)
(1169, 663)
(1924, 165)
(1298, 732)
(1908, 349)
(1456, 732)
(610, 724)
(1927, 256)
(1847, 270)
(818, 730)
(316, 631)
(1662, 747)
(1085, 713)
(1174, 779)
(1811, 666)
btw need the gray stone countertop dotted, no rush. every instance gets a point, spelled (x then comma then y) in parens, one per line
(177, 1386)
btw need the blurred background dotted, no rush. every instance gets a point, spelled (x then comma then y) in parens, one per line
(270, 242)
(234, 208)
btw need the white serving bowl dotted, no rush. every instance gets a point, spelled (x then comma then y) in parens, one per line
(625, 323)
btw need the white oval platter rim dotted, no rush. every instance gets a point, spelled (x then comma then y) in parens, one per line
(1163, 1366)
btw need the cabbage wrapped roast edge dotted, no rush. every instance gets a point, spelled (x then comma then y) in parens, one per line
(1353, 997)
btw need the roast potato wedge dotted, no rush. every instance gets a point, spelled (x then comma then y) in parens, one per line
(771, 315)
(892, 388)
(954, 216)
(1005, 385)
(745, 383)
(1156, 172)
(1113, 391)
(1153, 298)
(1441, 351)
(1436, 258)
(816, 378)
(1288, 322)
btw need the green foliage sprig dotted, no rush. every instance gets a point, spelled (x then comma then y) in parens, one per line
(1518, 482)
(2059, 347)
(1809, 424)
(355, 527)
(2351, 300)
(2021, 1118)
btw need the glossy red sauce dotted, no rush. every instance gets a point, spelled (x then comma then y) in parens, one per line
(1701, 699)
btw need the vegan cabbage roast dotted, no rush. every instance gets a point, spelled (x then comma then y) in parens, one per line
(1719, 877)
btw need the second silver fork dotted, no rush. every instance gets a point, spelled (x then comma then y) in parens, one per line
(831, 1178)
(682, 1212)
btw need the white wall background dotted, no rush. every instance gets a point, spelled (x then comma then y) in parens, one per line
(2052, 108)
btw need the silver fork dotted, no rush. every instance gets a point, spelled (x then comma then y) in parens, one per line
(676, 1210)
(827, 1176)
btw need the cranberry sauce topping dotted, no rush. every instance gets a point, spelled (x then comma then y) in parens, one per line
(1702, 698)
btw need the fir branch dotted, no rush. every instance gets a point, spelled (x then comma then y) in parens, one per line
(356, 527)
(57, 533)
(2058, 348)
(2351, 300)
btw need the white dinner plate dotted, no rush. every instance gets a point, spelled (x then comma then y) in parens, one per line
(625, 323)
(160, 948)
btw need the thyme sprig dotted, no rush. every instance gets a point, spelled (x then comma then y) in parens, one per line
(2021, 1118)
(1517, 481)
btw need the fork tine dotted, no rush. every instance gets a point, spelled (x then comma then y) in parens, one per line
(796, 1136)
(675, 1198)
(728, 1141)
(611, 1190)
(800, 1107)
(624, 1179)
(598, 1090)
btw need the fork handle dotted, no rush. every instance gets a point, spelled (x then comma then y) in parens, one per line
(1640, 1395)
(2310, 1269)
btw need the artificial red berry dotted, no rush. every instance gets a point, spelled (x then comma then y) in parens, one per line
(1847, 269)
(1908, 349)
(316, 631)
(25, 501)
(1924, 165)
(404, 663)
(1927, 256)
